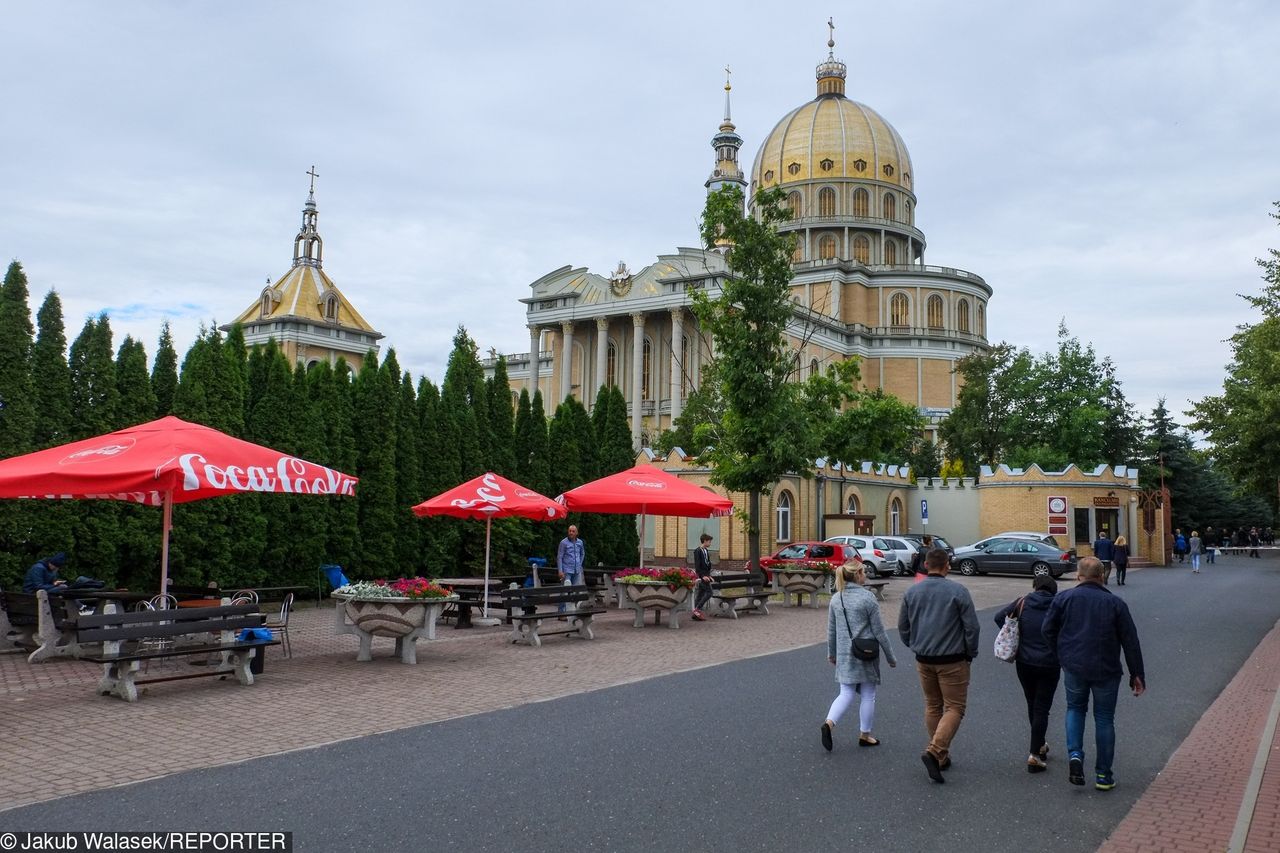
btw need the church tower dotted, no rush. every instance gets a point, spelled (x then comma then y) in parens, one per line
(306, 314)
(726, 143)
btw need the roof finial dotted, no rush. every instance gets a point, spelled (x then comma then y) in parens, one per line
(314, 174)
(728, 87)
(831, 40)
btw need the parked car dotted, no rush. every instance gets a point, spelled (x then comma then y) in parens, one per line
(901, 550)
(875, 552)
(806, 552)
(1014, 556)
(917, 541)
(1046, 538)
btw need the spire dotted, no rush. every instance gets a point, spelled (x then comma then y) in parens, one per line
(308, 248)
(726, 143)
(832, 72)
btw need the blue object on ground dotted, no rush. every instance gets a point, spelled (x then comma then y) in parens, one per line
(335, 576)
(540, 562)
(255, 635)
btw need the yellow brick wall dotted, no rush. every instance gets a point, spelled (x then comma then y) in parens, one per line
(900, 379)
(937, 383)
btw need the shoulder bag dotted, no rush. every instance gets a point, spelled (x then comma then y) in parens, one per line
(1006, 646)
(868, 649)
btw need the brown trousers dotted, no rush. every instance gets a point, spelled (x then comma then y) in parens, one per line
(946, 692)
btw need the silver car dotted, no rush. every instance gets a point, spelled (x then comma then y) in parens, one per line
(875, 552)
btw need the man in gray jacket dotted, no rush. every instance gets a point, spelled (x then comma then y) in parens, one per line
(937, 622)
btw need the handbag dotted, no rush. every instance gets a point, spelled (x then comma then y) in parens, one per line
(862, 649)
(1006, 645)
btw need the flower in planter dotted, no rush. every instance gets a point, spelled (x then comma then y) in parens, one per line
(820, 566)
(415, 588)
(671, 576)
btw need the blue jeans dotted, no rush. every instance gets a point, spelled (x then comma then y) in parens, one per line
(573, 579)
(1104, 717)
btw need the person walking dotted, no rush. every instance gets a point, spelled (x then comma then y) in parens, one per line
(1254, 541)
(917, 559)
(1102, 549)
(1120, 558)
(702, 568)
(854, 612)
(1090, 627)
(571, 556)
(1180, 546)
(1037, 664)
(1194, 547)
(1210, 540)
(938, 623)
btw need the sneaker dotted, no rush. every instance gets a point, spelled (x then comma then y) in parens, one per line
(931, 765)
(1035, 764)
(1104, 782)
(1075, 770)
(698, 617)
(826, 736)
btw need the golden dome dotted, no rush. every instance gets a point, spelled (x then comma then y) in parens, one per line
(832, 137)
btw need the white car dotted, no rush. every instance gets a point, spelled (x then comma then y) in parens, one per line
(875, 552)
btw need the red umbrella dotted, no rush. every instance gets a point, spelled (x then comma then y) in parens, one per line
(161, 463)
(645, 490)
(488, 496)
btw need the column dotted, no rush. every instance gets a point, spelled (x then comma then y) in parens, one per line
(535, 336)
(677, 361)
(637, 386)
(837, 285)
(602, 351)
(566, 359)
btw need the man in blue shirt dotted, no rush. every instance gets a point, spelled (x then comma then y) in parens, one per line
(570, 557)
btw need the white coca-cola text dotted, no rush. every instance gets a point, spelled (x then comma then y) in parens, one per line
(290, 476)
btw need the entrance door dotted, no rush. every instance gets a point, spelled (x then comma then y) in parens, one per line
(1107, 521)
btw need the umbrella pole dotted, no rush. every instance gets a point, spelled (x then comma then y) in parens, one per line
(488, 532)
(642, 520)
(164, 543)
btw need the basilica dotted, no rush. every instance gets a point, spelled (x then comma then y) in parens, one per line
(861, 286)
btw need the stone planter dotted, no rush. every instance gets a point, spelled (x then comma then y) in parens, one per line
(405, 619)
(800, 582)
(658, 597)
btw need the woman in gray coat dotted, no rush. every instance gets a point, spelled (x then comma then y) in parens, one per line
(854, 613)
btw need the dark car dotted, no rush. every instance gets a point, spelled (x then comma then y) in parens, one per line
(916, 540)
(1014, 556)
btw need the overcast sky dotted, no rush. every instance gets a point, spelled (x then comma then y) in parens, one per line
(1110, 165)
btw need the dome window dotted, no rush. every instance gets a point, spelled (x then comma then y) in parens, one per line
(906, 178)
(890, 252)
(768, 176)
(906, 210)
(827, 165)
(331, 308)
(888, 170)
(861, 202)
(862, 249)
(795, 204)
(794, 168)
(982, 320)
(860, 165)
(899, 310)
(826, 202)
(962, 315)
(826, 247)
(935, 312)
(890, 206)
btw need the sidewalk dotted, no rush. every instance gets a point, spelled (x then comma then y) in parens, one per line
(1221, 790)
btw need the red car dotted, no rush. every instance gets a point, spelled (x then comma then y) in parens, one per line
(808, 552)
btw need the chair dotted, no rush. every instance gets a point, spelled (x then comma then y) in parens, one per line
(279, 628)
(245, 596)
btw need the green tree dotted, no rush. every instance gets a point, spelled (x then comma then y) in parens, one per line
(441, 471)
(992, 407)
(335, 409)
(164, 373)
(409, 491)
(377, 396)
(137, 402)
(51, 378)
(310, 513)
(501, 420)
(17, 416)
(538, 477)
(95, 399)
(618, 542)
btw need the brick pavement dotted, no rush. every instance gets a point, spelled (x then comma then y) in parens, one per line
(322, 695)
(1200, 800)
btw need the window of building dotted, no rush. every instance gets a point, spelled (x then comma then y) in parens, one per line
(826, 202)
(795, 204)
(895, 517)
(861, 201)
(962, 315)
(331, 307)
(827, 164)
(862, 249)
(890, 206)
(851, 505)
(906, 211)
(611, 365)
(890, 252)
(899, 310)
(813, 367)
(644, 371)
(797, 252)
(266, 305)
(783, 512)
(982, 319)
(826, 247)
(935, 312)
(860, 165)
(794, 168)
(888, 170)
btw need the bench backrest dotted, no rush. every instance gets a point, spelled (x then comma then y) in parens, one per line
(532, 597)
(725, 580)
(22, 607)
(146, 624)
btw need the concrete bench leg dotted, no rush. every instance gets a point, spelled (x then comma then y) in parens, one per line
(584, 626)
(117, 679)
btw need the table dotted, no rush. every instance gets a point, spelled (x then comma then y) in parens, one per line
(106, 597)
(464, 606)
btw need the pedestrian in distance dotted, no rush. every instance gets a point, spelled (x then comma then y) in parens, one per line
(1210, 540)
(938, 623)
(571, 556)
(1120, 558)
(854, 612)
(1102, 549)
(1194, 546)
(1090, 627)
(1180, 546)
(702, 568)
(1037, 664)
(917, 559)
(1255, 539)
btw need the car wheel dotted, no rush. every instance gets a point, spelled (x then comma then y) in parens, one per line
(1040, 569)
(968, 568)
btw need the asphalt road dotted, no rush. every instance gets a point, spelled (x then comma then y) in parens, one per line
(725, 758)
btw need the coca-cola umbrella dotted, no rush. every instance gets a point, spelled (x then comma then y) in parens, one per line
(490, 496)
(161, 463)
(645, 490)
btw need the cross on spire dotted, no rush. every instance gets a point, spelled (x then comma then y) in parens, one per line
(314, 174)
(831, 39)
(727, 75)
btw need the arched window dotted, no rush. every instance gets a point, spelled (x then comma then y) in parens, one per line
(813, 367)
(895, 517)
(851, 505)
(644, 371)
(784, 517)
(935, 312)
(862, 249)
(890, 206)
(962, 315)
(982, 319)
(899, 310)
(826, 247)
(266, 304)
(890, 252)
(684, 366)
(797, 251)
(906, 210)
(861, 201)
(826, 202)
(795, 204)
(611, 365)
(331, 308)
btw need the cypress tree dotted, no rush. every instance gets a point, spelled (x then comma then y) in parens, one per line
(458, 398)
(408, 540)
(501, 420)
(138, 546)
(565, 455)
(616, 454)
(17, 417)
(539, 477)
(520, 439)
(137, 402)
(332, 392)
(441, 471)
(51, 378)
(376, 402)
(95, 400)
(164, 373)
(307, 548)
(271, 422)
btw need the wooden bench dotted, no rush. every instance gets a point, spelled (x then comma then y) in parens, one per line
(132, 637)
(39, 621)
(734, 592)
(530, 607)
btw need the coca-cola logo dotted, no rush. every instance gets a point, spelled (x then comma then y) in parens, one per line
(110, 450)
(289, 475)
(646, 484)
(490, 492)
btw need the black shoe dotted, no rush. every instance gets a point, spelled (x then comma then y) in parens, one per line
(1075, 770)
(826, 736)
(946, 764)
(935, 769)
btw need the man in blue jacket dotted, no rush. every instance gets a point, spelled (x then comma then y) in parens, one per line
(1090, 627)
(1104, 551)
(44, 574)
